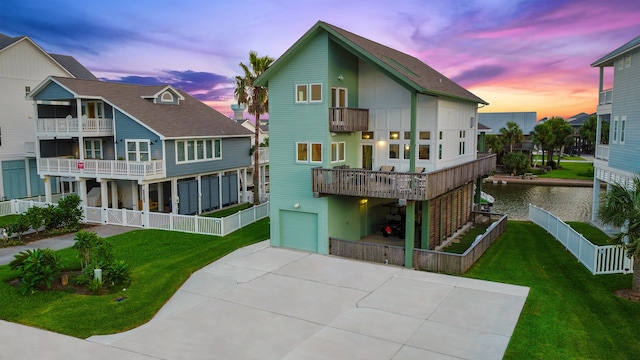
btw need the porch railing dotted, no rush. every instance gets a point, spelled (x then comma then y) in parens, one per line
(70, 126)
(115, 169)
(606, 97)
(396, 185)
(348, 119)
(602, 152)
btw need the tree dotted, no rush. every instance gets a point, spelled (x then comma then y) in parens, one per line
(255, 98)
(512, 134)
(516, 161)
(543, 136)
(588, 130)
(562, 135)
(621, 208)
(495, 145)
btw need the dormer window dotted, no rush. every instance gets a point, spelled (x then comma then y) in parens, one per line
(167, 97)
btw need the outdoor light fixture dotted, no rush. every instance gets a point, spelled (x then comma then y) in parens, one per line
(296, 205)
(340, 77)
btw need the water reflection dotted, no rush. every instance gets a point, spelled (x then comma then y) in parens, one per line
(569, 203)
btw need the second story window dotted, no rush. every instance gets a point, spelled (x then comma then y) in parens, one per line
(308, 152)
(308, 93)
(137, 150)
(198, 150)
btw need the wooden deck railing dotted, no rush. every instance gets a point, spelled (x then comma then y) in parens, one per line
(348, 119)
(395, 185)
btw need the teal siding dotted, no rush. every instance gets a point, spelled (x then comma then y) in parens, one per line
(344, 218)
(299, 230)
(235, 154)
(14, 178)
(53, 91)
(127, 128)
(290, 182)
(342, 62)
(626, 95)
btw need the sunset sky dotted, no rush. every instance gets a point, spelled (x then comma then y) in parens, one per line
(517, 55)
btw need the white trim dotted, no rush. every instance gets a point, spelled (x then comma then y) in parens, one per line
(297, 93)
(311, 93)
(195, 150)
(297, 152)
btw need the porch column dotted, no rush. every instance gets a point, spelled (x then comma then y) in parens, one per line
(199, 182)
(478, 195)
(104, 193)
(263, 180)
(596, 199)
(82, 191)
(174, 196)
(47, 189)
(239, 185)
(426, 224)
(28, 178)
(80, 138)
(244, 184)
(134, 196)
(160, 189)
(145, 205)
(409, 233)
(114, 194)
(220, 189)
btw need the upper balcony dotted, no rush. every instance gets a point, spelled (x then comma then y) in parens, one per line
(110, 169)
(263, 156)
(70, 127)
(602, 152)
(605, 97)
(394, 185)
(348, 119)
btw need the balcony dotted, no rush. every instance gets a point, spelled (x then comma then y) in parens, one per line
(69, 127)
(263, 156)
(605, 97)
(394, 185)
(348, 119)
(602, 152)
(110, 169)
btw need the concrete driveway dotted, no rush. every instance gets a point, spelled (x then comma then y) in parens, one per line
(272, 303)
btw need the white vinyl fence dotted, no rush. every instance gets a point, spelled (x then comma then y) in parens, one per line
(608, 259)
(154, 220)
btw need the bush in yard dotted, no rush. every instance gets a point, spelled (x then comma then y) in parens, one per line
(19, 227)
(70, 212)
(97, 253)
(51, 218)
(117, 273)
(37, 268)
(34, 217)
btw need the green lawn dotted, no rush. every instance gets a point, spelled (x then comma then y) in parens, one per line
(569, 170)
(569, 313)
(466, 239)
(161, 262)
(8, 220)
(590, 232)
(228, 211)
(555, 158)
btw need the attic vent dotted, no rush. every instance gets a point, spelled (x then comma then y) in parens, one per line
(166, 97)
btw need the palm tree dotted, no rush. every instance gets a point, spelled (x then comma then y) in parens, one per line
(255, 98)
(543, 136)
(621, 209)
(512, 134)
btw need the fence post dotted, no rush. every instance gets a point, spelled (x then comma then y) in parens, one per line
(170, 221)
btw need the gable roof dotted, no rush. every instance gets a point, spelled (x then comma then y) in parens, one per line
(191, 118)
(608, 59)
(69, 63)
(408, 70)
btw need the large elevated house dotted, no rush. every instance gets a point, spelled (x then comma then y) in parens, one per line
(150, 148)
(23, 65)
(617, 161)
(359, 130)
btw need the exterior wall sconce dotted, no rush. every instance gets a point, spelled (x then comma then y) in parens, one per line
(296, 205)
(333, 134)
(340, 77)
(364, 201)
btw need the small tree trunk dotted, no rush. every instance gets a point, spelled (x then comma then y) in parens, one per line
(635, 285)
(256, 163)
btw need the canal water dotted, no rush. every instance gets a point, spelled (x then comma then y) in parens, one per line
(568, 203)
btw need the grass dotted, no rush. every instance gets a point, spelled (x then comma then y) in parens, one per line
(576, 170)
(590, 232)
(8, 220)
(466, 239)
(555, 158)
(228, 211)
(569, 313)
(161, 262)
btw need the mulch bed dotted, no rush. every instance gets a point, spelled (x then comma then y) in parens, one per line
(31, 237)
(628, 294)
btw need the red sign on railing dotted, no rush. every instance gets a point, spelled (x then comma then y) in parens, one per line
(80, 165)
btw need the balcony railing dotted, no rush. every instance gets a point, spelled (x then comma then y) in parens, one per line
(348, 119)
(602, 152)
(605, 97)
(112, 169)
(394, 185)
(69, 127)
(263, 156)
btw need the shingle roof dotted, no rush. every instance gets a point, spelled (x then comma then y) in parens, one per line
(406, 68)
(7, 40)
(73, 66)
(608, 59)
(191, 118)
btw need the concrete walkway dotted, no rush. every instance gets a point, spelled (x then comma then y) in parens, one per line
(273, 303)
(60, 242)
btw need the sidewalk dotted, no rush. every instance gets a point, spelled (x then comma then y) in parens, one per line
(60, 242)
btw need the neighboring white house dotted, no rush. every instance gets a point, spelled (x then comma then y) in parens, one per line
(23, 65)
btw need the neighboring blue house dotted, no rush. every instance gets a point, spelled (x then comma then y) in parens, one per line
(617, 161)
(151, 148)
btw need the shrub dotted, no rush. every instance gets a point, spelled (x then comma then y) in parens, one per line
(34, 217)
(51, 218)
(69, 212)
(95, 285)
(19, 226)
(117, 273)
(516, 161)
(37, 268)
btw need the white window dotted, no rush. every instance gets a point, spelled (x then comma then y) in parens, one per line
(615, 129)
(198, 150)
(337, 151)
(301, 93)
(394, 151)
(137, 150)
(167, 97)
(27, 90)
(424, 152)
(462, 144)
(309, 152)
(627, 61)
(623, 123)
(93, 149)
(315, 93)
(339, 97)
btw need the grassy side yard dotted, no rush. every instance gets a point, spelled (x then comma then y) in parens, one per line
(228, 211)
(161, 262)
(575, 170)
(466, 239)
(569, 313)
(8, 220)
(590, 232)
